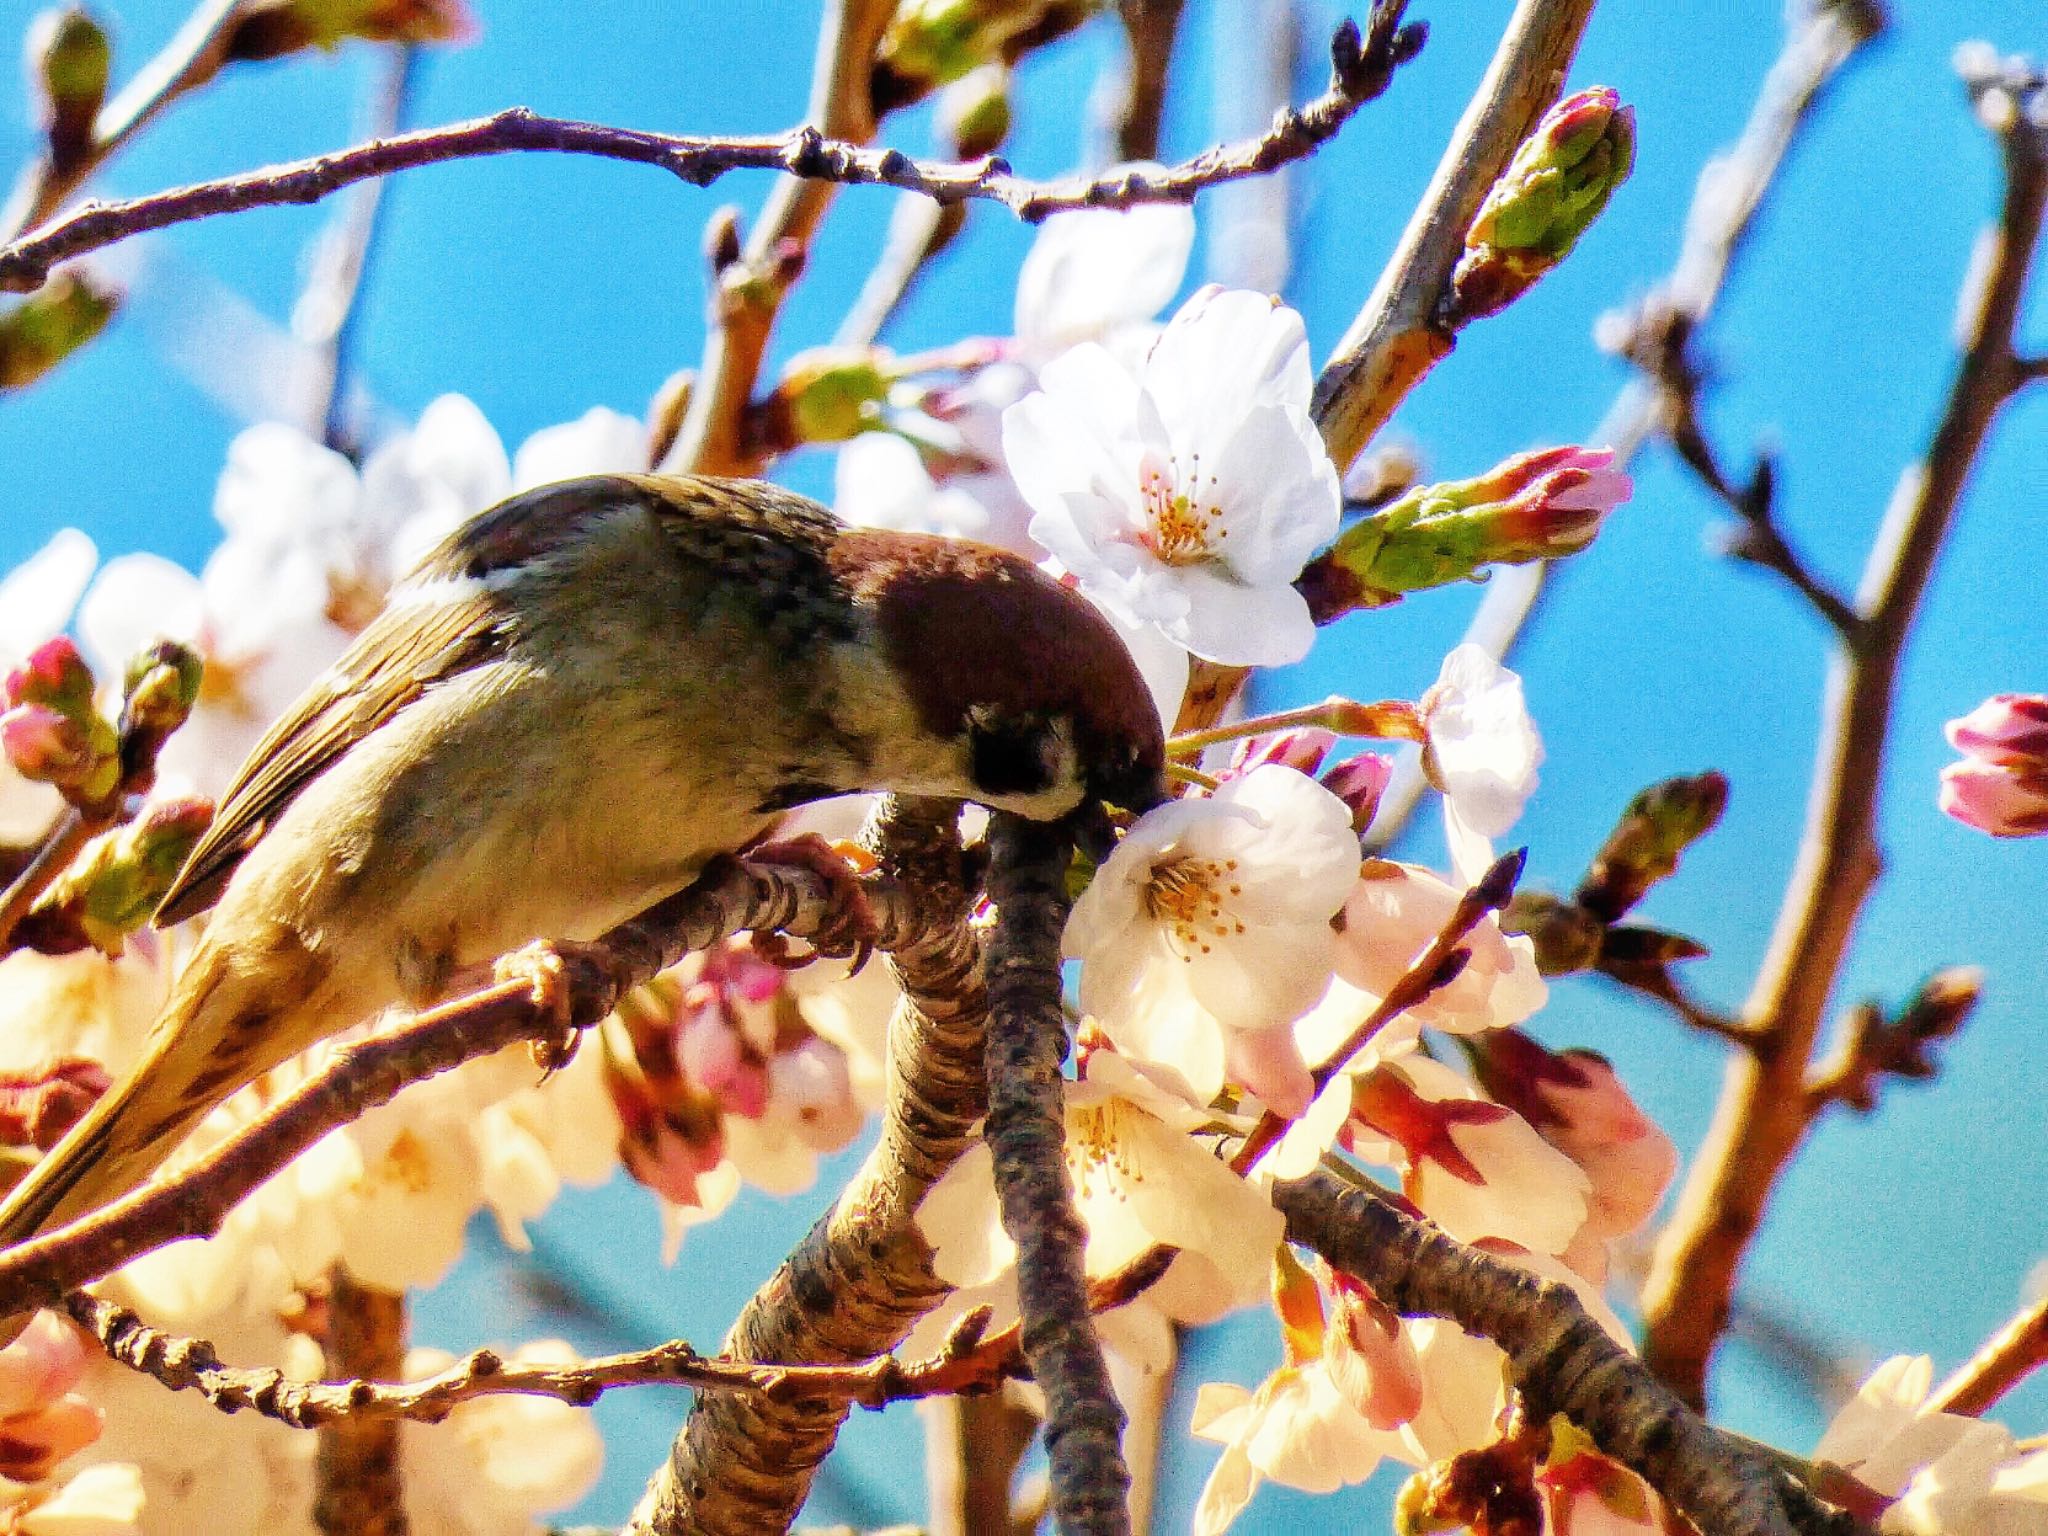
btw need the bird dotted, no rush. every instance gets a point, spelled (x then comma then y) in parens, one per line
(564, 710)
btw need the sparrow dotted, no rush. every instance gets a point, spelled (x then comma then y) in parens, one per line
(569, 706)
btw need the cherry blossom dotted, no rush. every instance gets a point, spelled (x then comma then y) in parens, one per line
(1393, 912)
(42, 1420)
(1093, 271)
(1187, 493)
(1482, 752)
(2001, 785)
(1207, 932)
(1139, 1180)
(102, 1500)
(1947, 1475)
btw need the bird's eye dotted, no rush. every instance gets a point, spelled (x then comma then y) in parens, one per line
(1013, 757)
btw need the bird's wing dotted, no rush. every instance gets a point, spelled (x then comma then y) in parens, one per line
(405, 651)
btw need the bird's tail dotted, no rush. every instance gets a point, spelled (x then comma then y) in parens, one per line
(202, 1049)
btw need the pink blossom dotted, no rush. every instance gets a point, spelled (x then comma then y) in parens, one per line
(1359, 782)
(41, 1419)
(2001, 785)
(1302, 749)
(1579, 1106)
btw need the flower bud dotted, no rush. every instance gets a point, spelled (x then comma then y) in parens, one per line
(827, 395)
(1302, 749)
(46, 747)
(974, 113)
(1359, 782)
(1534, 506)
(1549, 195)
(270, 29)
(161, 686)
(49, 325)
(120, 877)
(38, 1108)
(931, 43)
(69, 59)
(2001, 785)
(1567, 937)
(54, 674)
(1659, 824)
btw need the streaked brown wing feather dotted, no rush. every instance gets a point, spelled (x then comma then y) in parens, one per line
(403, 653)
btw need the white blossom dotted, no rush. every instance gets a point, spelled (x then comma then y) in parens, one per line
(1187, 494)
(1482, 752)
(1207, 932)
(1093, 271)
(1139, 1179)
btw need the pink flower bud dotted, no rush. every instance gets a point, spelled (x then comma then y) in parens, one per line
(2007, 728)
(54, 674)
(2001, 785)
(1301, 749)
(46, 746)
(1359, 782)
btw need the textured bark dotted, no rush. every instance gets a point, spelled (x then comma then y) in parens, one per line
(360, 1488)
(862, 1277)
(1027, 1041)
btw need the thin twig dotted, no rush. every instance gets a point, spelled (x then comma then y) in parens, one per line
(193, 1365)
(191, 58)
(1765, 1109)
(1150, 27)
(2008, 1357)
(802, 152)
(747, 292)
(1730, 192)
(328, 315)
(1027, 1041)
(193, 1203)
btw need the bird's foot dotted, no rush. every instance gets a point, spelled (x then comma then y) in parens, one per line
(850, 927)
(549, 970)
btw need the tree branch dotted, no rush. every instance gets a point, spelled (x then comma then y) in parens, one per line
(1397, 337)
(1765, 1110)
(1559, 1359)
(731, 896)
(1731, 189)
(862, 1277)
(1026, 1135)
(2008, 1357)
(802, 152)
(359, 1487)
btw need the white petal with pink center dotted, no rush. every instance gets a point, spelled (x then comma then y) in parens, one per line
(1212, 918)
(1190, 494)
(1298, 1428)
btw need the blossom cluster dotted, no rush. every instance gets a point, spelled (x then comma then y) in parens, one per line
(1236, 952)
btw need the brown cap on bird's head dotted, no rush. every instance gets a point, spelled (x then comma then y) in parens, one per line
(990, 646)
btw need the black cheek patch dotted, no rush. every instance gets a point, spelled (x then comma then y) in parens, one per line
(1010, 759)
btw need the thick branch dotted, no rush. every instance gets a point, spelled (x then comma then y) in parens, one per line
(862, 1277)
(730, 897)
(1765, 1111)
(1559, 1358)
(1027, 1041)
(360, 1487)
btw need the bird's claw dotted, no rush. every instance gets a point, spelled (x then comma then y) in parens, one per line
(850, 928)
(544, 968)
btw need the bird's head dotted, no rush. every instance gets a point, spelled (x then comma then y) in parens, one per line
(1030, 697)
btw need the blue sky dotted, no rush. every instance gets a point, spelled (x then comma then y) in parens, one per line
(540, 286)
